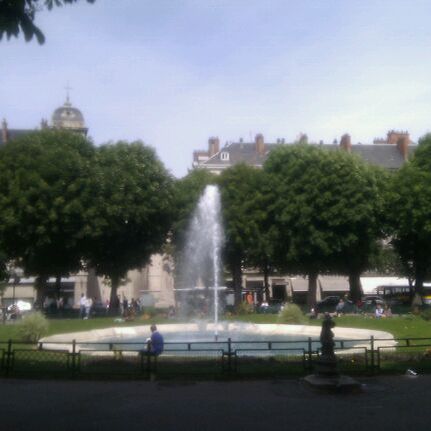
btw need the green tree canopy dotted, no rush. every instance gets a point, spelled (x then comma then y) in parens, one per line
(409, 213)
(18, 16)
(324, 210)
(244, 211)
(43, 179)
(130, 212)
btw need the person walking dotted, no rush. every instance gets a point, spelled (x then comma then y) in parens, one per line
(82, 305)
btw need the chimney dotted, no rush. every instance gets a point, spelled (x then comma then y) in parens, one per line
(260, 144)
(4, 132)
(394, 136)
(213, 146)
(403, 146)
(346, 143)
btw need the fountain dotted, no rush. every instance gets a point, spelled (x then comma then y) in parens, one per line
(201, 266)
(204, 241)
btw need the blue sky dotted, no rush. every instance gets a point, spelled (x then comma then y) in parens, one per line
(175, 72)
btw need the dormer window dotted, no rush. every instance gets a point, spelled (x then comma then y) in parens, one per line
(224, 156)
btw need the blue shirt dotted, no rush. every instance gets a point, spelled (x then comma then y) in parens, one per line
(156, 343)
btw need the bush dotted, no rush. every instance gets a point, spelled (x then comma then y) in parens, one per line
(426, 314)
(292, 314)
(32, 327)
(244, 308)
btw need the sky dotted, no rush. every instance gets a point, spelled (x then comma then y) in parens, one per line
(173, 73)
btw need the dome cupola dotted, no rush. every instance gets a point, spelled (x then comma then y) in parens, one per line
(69, 118)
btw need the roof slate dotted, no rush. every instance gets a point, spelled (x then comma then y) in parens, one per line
(384, 155)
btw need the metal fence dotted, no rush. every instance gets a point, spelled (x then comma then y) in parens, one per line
(210, 359)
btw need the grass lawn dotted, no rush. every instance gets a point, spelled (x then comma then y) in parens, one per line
(62, 326)
(400, 326)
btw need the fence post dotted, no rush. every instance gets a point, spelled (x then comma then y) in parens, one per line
(229, 355)
(74, 367)
(372, 353)
(310, 353)
(9, 356)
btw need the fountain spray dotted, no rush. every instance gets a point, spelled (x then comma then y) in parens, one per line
(204, 243)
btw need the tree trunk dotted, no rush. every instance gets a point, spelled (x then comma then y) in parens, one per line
(419, 281)
(237, 282)
(355, 286)
(312, 289)
(57, 286)
(265, 281)
(40, 286)
(114, 302)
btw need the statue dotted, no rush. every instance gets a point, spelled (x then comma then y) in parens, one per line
(327, 363)
(327, 337)
(326, 376)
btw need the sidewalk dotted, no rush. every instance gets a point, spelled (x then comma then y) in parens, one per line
(390, 403)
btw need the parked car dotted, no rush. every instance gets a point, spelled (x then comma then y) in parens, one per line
(373, 300)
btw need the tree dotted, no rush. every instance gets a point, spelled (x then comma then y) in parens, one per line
(324, 212)
(43, 181)
(18, 16)
(409, 214)
(243, 213)
(131, 210)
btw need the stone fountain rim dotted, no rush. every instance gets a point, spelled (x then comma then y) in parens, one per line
(123, 333)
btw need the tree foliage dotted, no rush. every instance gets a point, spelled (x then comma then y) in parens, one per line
(43, 178)
(244, 211)
(409, 213)
(17, 16)
(325, 210)
(130, 212)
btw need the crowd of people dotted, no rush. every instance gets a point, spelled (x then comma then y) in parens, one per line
(128, 309)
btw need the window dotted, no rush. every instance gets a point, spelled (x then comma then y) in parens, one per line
(224, 156)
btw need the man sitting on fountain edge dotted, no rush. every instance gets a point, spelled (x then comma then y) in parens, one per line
(155, 344)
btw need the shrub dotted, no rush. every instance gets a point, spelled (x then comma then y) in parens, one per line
(292, 314)
(32, 327)
(426, 314)
(244, 308)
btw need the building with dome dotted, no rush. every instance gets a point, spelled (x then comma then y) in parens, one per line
(65, 117)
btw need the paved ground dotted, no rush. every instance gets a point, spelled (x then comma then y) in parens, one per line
(387, 403)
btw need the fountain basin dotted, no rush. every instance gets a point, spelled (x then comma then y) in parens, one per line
(245, 337)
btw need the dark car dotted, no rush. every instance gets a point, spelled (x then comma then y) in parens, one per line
(329, 305)
(373, 300)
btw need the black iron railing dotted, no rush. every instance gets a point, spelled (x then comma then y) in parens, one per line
(228, 357)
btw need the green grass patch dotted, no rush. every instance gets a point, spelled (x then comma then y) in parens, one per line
(63, 326)
(402, 326)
